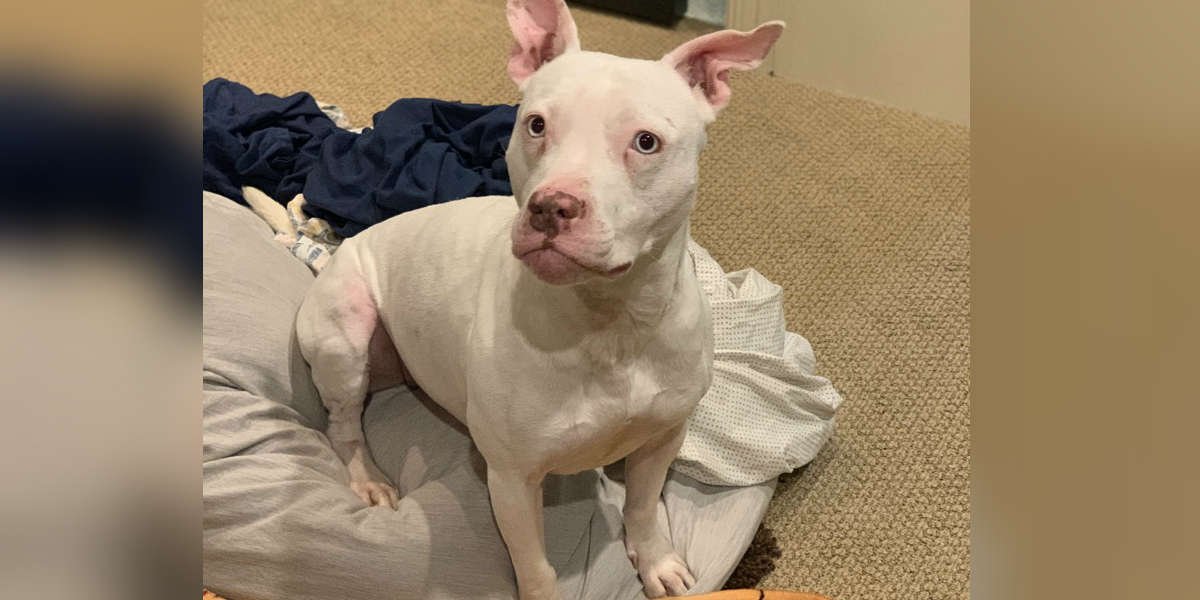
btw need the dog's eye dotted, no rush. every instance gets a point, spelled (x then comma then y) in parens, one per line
(646, 142)
(536, 126)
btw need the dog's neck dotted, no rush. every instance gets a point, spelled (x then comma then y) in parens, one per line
(645, 292)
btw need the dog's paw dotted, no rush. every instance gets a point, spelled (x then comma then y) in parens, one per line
(662, 572)
(376, 493)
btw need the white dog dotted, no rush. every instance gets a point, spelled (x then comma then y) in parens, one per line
(565, 327)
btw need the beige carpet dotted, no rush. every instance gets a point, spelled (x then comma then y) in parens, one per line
(861, 212)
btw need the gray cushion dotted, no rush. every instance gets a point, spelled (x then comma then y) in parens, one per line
(280, 521)
(252, 289)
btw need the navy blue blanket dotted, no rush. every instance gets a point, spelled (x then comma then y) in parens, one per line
(94, 166)
(419, 152)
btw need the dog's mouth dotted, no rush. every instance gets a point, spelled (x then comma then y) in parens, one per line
(549, 247)
(618, 270)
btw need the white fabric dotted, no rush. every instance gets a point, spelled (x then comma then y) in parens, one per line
(766, 412)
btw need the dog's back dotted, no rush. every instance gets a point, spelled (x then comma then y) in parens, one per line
(451, 248)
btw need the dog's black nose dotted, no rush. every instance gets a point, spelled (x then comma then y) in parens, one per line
(552, 212)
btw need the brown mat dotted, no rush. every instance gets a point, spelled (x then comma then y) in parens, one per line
(859, 211)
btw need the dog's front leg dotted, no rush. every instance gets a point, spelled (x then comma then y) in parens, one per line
(517, 504)
(657, 563)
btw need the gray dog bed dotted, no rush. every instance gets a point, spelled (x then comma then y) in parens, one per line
(281, 523)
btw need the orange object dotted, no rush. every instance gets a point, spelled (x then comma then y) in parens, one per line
(722, 595)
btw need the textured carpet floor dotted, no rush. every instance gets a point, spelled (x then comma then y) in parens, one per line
(859, 211)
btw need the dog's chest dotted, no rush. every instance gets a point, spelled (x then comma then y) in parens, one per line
(610, 418)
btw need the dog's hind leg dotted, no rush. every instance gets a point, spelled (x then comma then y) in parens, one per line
(335, 326)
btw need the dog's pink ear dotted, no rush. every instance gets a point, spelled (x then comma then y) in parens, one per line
(543, 30)
(705, 62)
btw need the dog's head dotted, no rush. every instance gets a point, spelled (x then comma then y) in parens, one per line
(604, 155)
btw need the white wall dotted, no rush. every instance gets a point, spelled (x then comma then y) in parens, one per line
(709, 11)
(912, 54)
